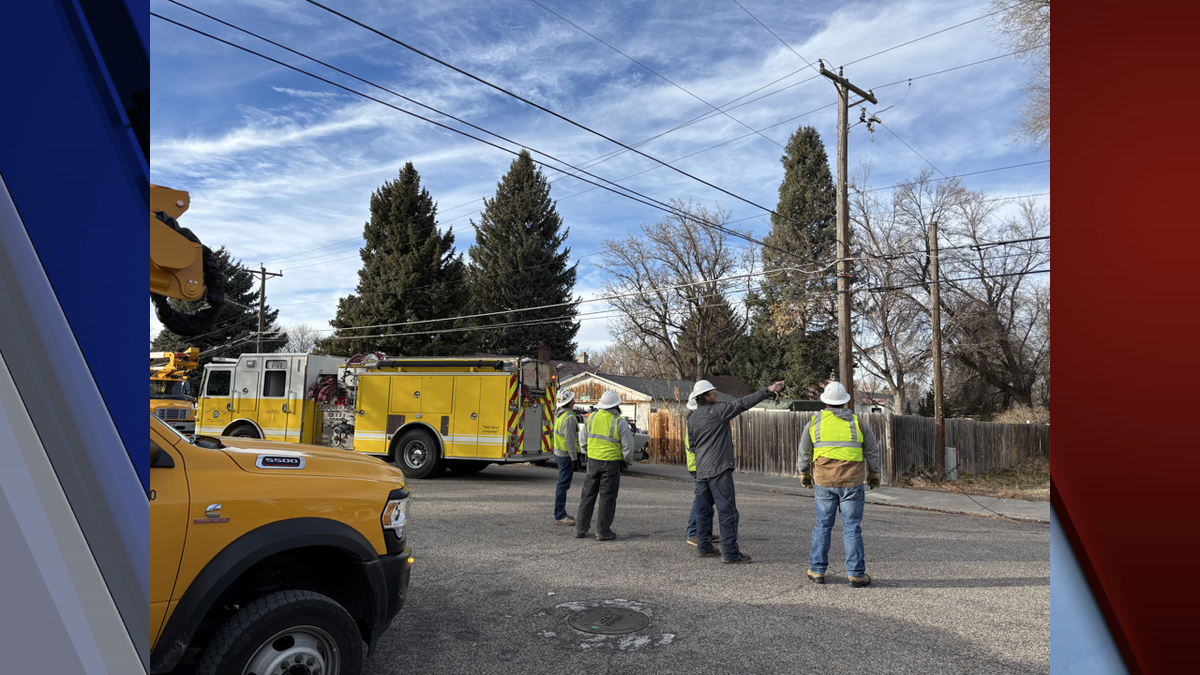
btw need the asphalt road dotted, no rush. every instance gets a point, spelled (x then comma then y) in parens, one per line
(495, 581)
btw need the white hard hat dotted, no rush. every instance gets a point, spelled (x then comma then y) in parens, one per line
(610, 399)
(835, 394)
(701, 387)
(565, 397)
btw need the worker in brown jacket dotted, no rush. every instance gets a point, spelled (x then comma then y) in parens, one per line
(837, 454)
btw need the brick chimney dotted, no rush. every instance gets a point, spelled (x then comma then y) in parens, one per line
(582, 358)
(543, 352)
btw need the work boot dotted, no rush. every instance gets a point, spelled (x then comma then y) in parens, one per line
(606, 537)
(859, 582)
(816, 578)
(711, 554)
(565, 521)
(581, 535)
(695, 541)
(741, 558)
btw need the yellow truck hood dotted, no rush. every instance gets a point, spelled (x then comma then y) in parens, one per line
(273, 457)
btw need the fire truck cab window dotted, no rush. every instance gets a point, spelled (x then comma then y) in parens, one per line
(218, 383)
(274, 383)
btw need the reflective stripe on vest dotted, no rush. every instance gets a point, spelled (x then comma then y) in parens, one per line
(835, 438)
(560, 438)
(687, 448)
(603, 445)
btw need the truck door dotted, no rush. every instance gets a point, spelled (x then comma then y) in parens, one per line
(275, 414)
(464, 429)
(214, 411)
(245, 389)
(168, 525)
(493, 416)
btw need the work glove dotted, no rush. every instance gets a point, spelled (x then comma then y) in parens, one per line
(624, 464)
(806, 480)
(576, 464)
(872, 480)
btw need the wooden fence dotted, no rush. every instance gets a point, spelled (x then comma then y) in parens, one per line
(767, 441)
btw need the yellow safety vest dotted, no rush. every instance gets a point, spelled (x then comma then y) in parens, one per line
(687, 447)
(835, 438)
(560, 437)
(604, 443)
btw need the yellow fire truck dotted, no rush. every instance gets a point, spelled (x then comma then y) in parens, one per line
(423, 414)
(170, 396)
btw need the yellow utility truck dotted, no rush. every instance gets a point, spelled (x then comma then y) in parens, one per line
(423, 414)
(264, 557)
(171, 398)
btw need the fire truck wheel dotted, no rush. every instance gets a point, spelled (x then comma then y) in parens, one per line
(544, 462)
(417, 455)
(245, 431)
(465, 466)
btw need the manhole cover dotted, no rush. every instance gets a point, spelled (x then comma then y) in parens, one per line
(609, 621)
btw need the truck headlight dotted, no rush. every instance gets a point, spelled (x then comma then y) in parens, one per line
(395, 516)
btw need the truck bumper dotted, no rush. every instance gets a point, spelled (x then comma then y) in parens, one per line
(396, 572)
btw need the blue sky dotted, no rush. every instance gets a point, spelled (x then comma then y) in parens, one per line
(280, 166)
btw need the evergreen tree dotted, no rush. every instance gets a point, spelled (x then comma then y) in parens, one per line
(409, 273)
(236, 324)
(516, 263)
(793, 328)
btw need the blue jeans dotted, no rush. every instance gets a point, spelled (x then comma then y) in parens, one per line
(691, 528)
(566, 469)
(828, 501)
(717, 490)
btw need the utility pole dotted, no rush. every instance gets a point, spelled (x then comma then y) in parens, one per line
(262, 298)
(845, 343)
(935, 310)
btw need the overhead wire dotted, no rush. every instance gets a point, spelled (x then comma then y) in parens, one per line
(616, 189)
(653, 72)
(541, 107)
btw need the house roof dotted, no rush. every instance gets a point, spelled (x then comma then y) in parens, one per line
(655, 389)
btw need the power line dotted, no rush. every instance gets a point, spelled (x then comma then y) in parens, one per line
(911, 148)
(542, 108)
(582, 301)
(776, 36)
(632, 194)
(961, 175)
(973, 277)
(652, 71)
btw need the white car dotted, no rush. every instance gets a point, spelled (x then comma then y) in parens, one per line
(641, 442)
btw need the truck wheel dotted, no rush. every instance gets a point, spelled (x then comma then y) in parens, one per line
(417, 455)
(286, 632)
(465, 466)
(245, 431)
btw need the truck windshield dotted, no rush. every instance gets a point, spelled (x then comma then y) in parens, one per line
(166, 389)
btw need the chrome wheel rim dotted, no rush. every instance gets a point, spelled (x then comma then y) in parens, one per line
(415, 454)
(300, 650)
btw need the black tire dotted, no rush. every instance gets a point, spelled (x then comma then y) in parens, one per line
(285, 626)
(417, 455)
(245, 431)
(465, 466)
(542, 462)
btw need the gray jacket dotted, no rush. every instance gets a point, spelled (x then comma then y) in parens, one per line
(870, 448)
(570, 434)
(710, 436)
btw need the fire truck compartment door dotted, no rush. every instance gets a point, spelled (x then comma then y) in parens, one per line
(464, 423)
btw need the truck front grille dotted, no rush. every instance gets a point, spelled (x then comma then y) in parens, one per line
(172, 413)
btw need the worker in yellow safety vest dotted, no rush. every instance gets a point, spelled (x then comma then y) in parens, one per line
(835, 448)
(566, 453)
(608, 442)
(692, 538)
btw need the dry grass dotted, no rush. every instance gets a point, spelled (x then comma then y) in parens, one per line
(1029, 481)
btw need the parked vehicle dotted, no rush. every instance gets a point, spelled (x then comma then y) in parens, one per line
(424, 415)
(171, 397)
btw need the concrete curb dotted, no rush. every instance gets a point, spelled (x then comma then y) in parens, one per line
(943, 502)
